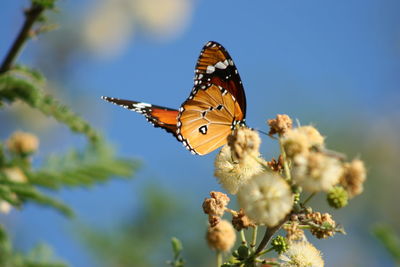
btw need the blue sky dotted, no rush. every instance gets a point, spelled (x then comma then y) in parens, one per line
(322, 62)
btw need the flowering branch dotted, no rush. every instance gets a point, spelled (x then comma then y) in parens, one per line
(269, 194)
(32, 14)
(21, 181)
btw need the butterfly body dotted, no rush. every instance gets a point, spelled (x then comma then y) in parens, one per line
(215, 106)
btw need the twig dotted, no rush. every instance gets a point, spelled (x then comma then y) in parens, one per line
(308, 199)
(269, 232)
(31, 16)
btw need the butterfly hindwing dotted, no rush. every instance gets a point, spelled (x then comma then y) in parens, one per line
(206, 119)
(159, 116)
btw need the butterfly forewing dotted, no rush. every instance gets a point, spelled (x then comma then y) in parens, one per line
(159, 116)
(215, 66)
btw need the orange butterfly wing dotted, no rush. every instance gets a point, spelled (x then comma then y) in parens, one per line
(159, 116)
(216, 104)
(215, 66)
(206, 120)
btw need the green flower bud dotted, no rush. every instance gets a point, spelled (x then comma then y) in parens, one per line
(243, 252)
(279, 244)
(337, 197)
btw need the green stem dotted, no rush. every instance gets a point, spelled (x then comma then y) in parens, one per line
(32, 14)
(243, 237)
(219, 258)
(285, 161)
(309, 198)
(264, 252)
(254, 238)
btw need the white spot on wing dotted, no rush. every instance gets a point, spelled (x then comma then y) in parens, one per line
(210, 69)
(221, 65)
(141, 105)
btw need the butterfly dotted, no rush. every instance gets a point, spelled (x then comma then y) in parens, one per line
(215, 107)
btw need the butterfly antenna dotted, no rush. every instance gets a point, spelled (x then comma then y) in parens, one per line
(262, 132)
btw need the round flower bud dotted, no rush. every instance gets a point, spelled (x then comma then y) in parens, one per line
(266, 199)
(279, 244)
(22, 143)
(221, 237)
(337, 197)
(353, 177)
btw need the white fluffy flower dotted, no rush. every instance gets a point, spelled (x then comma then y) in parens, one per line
(233, 174)
(300, 140)
(301, 254)
(266, 198)
(316, 172)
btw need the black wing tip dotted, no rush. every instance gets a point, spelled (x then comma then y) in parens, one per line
(211, 43)
(106, 98)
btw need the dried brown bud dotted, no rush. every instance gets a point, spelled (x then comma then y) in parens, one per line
(22, 143)
(243, 142)
(221, 237)
(322, 220)
(353, 177)
(213, 220)
(215, 205)
(280, 125)
(293, 232)
(276, 165)
(241, 221)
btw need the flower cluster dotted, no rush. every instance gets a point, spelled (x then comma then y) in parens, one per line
(21, 145)
(269, 193)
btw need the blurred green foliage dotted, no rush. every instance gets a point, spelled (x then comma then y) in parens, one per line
(142, 239)
(40, 256)
(20, 182)
(389, 239)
